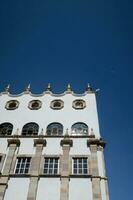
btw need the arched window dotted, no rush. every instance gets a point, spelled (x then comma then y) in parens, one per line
(79, 129)
(6, 129)
(30, 129)
(55, 129)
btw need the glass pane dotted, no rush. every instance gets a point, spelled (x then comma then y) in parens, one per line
(85, 171)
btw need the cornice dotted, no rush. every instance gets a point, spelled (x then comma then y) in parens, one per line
(49, 91)
(46, 93)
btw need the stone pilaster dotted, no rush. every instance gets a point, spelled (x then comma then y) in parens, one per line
(66, 143)
(12, 145)
(101, 148)
(35, 167)
(96, 189)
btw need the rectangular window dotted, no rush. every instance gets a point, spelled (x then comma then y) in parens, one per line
(51, 166)
(80, 166)
(23, 165)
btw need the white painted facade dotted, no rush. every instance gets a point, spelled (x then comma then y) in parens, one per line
(49, 187)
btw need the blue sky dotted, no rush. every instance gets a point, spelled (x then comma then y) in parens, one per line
(77, 42)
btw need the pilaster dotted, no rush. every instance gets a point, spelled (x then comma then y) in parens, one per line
(66, 144)
(101, 148)
(35, 167)
(96, 189)
(12, 145)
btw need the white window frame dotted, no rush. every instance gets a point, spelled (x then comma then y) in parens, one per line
(24, 167)
(78, 164)
(53, 166)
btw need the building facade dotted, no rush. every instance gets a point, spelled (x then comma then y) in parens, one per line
(50, 147)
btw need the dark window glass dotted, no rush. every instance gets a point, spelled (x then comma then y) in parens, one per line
(55, 129)
(6, 129)
(30, 129)
(80, 166)
(80, 129)
(23, 165)
(51, 166)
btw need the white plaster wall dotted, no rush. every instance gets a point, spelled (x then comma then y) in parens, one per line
(79, 147)
(17, 189)
(3, 145)
(53, 146)
(67, 116)
(103, 190)
(83, 189)
(100, 163)
(26, 146)
(48, 188)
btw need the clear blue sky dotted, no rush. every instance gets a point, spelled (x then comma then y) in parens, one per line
(72, 41)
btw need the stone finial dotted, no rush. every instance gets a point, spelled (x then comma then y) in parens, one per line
(92, 133)
(89, 88)
(69, 88)
(66, 134)
(7, 88)
(49, 88)
(97, 90)
(16, 133)
(28, 89)
(41, 133)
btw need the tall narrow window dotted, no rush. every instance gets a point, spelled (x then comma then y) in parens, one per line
(23, 165)
(79, 129)
(6, 129)
(30, 129)
(80, 166)
(51, 166)
(55, 129)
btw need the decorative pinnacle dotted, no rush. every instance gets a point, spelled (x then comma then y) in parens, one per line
(41, 133)
(7, 88)
(92, 133)
(28, 88)
(66, 134)
(49, 88)
(69, 88)
(89, 88)
(16, 133)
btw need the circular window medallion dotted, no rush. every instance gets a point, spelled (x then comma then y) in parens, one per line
(35, 104)
(12, 105)
(57, 104)
(79, 104)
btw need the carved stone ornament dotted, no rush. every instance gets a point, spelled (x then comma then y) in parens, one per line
(14, 141)
(40, 141)
(98, 142)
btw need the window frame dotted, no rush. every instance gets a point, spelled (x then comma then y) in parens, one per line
(7, 106)
(47, 173)
(75, 133)
(80, 164)
(52, 133)
(7, 123)
(35, 101)
(25, 163)
(58, 107)
(76, 101)
(24, 133)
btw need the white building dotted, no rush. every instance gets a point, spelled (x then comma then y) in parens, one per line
(50, 147)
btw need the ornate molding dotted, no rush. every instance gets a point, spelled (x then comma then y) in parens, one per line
(66, 140)
(98, 142)
(13, 141)
(40, 141)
